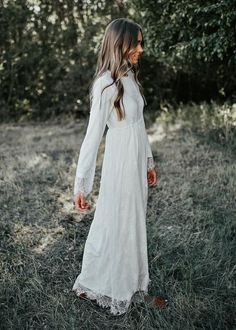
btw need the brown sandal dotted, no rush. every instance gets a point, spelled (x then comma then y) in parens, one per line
(156, 300)
(83, 296)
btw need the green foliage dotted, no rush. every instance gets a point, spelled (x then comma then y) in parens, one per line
(193, 37)
(49, 52)
(216, 122)
(193, 30)
(48, 56)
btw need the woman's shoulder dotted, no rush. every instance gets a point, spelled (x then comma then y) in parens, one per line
(105, 77)
(104, 80)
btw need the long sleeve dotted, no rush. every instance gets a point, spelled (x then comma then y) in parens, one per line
(150, 159)
(99, 113)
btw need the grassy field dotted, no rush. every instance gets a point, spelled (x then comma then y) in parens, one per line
(191, 226)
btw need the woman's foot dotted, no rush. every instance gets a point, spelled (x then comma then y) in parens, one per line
(157, 301)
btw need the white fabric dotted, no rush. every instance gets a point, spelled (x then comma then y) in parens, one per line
(115, 263)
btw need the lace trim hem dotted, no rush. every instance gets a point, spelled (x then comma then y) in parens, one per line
(117, 307)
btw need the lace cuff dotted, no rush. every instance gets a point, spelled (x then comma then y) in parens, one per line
(84, 181)
(82, 186)
(150, 163)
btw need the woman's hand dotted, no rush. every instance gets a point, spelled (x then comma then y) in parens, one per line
(80, 202)
(152, 177)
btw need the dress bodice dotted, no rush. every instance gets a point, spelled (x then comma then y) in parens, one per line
(132, 104)
(102, 114)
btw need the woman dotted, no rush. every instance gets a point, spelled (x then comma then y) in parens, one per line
(115, 262)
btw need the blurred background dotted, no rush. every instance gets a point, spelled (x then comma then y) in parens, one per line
(49, 50)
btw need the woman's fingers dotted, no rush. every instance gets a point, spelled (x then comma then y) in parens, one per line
(83, 203)
(152, 177)
(80, 202)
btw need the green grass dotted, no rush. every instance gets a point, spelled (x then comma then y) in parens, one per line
(191, 226)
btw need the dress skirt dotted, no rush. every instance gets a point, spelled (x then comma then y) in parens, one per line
(115, 258)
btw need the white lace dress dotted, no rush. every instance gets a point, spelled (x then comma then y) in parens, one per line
(115, 262)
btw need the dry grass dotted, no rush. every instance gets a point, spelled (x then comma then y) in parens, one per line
(190, 224)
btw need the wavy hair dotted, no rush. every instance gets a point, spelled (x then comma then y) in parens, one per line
(121, 36)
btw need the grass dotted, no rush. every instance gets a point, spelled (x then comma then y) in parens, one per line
(191, 226)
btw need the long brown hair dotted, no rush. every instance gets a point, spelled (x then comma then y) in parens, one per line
(121, 36)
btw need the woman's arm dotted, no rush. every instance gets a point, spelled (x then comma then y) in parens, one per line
(150, 159)
(99, 113)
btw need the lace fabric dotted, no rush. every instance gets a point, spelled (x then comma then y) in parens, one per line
(84, 183)
(82, 186)
(117, 307)
(150, 159)
(150, 163)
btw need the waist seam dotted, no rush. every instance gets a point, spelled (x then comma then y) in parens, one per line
(131, 124)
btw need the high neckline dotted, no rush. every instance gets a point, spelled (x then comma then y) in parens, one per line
(129, 73)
